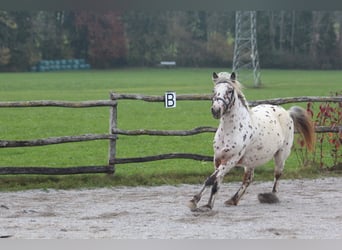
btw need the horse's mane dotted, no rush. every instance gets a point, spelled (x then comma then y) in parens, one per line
(226, 77)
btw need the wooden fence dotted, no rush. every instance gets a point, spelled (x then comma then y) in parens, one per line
(112, 103)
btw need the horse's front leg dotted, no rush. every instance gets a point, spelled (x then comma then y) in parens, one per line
(214, 180)
(210, 181)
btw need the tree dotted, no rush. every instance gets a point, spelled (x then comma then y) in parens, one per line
(327, 49)
(148, 37)
(101, 38)
(50, 34)
(286, 39)
(298, 39)
(17, 41)
(6, 24)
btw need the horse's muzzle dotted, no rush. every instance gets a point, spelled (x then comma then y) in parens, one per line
(216, 112)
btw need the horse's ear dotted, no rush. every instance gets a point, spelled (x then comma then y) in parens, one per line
(215, 76)
(233, 76)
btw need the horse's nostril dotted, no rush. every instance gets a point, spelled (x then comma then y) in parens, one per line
(215, 112)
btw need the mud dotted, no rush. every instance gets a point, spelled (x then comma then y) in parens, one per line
(306, 209)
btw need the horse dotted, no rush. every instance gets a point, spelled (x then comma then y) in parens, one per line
(249, 137)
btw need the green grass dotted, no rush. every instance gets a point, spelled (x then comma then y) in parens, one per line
(32, 123)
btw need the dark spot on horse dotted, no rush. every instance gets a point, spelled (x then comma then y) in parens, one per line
(210, 180)
(259, 148)
(241, 126)
(244, 137)
(214, 188)
(241, 160)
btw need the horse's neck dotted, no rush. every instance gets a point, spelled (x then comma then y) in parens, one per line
(239, 112)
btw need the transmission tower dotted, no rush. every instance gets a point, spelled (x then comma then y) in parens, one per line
(246, 56)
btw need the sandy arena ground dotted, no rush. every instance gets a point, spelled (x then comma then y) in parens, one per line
(307, 209)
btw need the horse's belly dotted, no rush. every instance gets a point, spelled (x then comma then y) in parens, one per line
(255, 159)
(262, 150)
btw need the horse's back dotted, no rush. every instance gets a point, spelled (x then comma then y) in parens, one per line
(273, 130)
(273, 118)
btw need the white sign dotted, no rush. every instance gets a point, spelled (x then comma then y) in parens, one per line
(170, 99)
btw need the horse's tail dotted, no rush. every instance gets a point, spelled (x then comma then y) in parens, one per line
(304, 125)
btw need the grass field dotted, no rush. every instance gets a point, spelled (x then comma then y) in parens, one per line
(33, 123)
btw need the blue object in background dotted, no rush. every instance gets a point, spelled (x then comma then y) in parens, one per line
(58, 65)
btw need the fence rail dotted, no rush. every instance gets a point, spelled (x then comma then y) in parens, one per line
(65, 104)
(114, 131)
(146, 98)
(54, 140)
(199, 97)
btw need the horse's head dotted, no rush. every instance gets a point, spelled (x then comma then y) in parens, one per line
(224, 93)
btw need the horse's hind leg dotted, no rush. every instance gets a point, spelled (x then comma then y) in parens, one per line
(247, 179)
(277, 176)
(279, 160)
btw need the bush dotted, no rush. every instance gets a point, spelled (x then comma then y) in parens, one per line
(5, 56)
(327, 152)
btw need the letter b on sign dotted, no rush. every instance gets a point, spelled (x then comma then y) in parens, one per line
(170, 100)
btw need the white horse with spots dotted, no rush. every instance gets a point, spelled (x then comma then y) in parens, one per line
(249, 137)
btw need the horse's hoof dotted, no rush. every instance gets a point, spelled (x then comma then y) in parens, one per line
(203, 209)
(268, 198)
(230, 202)
(192, 205)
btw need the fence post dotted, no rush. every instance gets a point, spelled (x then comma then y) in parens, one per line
(112, 141)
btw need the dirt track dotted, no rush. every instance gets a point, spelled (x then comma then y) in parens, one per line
(307, 209)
